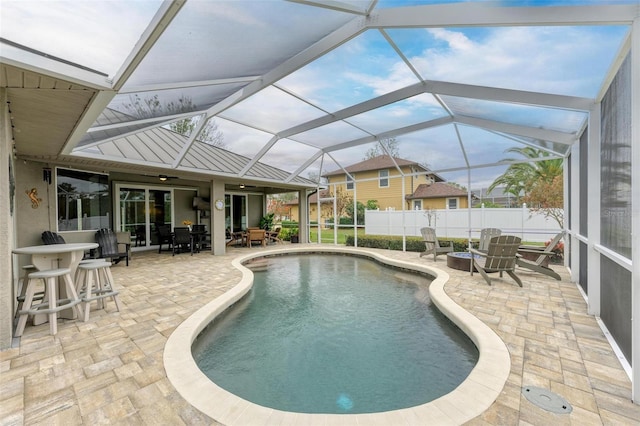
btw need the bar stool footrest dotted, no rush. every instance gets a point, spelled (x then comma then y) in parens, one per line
(101, 294)
(42, 308)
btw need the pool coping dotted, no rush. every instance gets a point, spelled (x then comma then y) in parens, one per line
(470, 399)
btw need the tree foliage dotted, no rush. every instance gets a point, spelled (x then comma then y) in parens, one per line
(519, 176)
(360, 208)
(540, 181)
(152, 107)
(391, 144)
(547, 198)
(342, 200)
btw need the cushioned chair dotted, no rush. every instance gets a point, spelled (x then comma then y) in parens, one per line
(124, 242)
(182, 240)
(109, 248)
(432, 245)
(500, 257)
(256, 236)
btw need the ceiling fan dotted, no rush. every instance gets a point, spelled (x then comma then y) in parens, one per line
(163, 178)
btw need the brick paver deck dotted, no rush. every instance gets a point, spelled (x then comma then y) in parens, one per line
(110, 371)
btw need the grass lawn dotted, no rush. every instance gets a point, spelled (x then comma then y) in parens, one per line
(327, 235)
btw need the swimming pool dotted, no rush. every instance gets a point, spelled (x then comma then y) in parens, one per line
(469, 400)
(335, 334)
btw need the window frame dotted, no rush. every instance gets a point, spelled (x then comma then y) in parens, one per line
(454, 199)
(79, 227)
(349, 182)
(382, 178)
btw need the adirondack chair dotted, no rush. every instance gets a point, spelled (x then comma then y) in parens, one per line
(543, 254)
(109, 248)
(486, 235)
(501, 256)
(234, 238)
(49, 237)
(274, 236)
(432, 245)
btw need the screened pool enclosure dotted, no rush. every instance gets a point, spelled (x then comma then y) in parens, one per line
(273, 94)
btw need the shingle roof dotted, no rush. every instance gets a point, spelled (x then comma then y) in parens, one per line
(313, 198)
(376, 163)
(437, 190)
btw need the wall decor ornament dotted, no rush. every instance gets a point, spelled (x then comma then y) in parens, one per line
(33, 196)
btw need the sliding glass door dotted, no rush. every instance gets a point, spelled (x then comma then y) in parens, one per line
(141, 209)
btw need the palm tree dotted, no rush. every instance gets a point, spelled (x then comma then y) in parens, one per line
(520, 178)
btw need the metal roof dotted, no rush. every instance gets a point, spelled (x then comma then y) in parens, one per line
(301, 87)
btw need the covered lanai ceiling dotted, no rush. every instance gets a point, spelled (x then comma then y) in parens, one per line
(307, 86)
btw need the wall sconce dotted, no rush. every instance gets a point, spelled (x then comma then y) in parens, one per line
(242, 186)
(162, 177)
(46, 175)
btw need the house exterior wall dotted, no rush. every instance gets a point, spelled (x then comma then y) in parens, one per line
(7, 235)
(441, 203)
(368, 187)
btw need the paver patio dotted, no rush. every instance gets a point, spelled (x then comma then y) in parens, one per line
(109, 370)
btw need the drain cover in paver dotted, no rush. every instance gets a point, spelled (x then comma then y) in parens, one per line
(547, 400)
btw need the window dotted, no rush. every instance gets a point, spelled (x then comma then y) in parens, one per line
(83, 200)
(383, 175)
(452, 203)
(417, 204)
(349, 182)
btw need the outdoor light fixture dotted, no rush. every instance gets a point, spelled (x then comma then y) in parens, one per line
(163, 177)
(242, 186)
(46, 175)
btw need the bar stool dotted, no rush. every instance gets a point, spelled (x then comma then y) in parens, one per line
(22, 288)
(95, 282)
(52, 305)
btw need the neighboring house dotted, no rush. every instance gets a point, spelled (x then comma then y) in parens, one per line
(438, 195)
(292, 206)
(497, 197)
(379, 179)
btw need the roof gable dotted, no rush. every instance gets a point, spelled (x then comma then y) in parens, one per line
(437, 190)
(377, 163)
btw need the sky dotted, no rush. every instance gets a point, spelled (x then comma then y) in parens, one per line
(215, 39)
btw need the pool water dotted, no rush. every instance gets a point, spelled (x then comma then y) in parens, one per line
(335, 334)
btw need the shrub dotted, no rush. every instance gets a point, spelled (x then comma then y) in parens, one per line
(286, 233)
(395, 243)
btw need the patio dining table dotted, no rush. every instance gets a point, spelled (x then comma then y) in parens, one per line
(54, 256)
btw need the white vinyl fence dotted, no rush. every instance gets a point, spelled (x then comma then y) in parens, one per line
(455, 223)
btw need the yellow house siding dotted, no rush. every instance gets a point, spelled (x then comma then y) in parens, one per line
(368, 187)
(441, 203)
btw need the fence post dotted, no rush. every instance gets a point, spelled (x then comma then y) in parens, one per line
(524, 212)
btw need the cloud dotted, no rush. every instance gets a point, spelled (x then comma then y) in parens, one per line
(82, 32)
(562, 60)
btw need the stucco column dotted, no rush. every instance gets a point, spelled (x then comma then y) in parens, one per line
(7, 240)
(303, 214)
(218, 243)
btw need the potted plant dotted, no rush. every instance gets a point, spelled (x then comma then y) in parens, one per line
(266, 222)
(293, 235)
